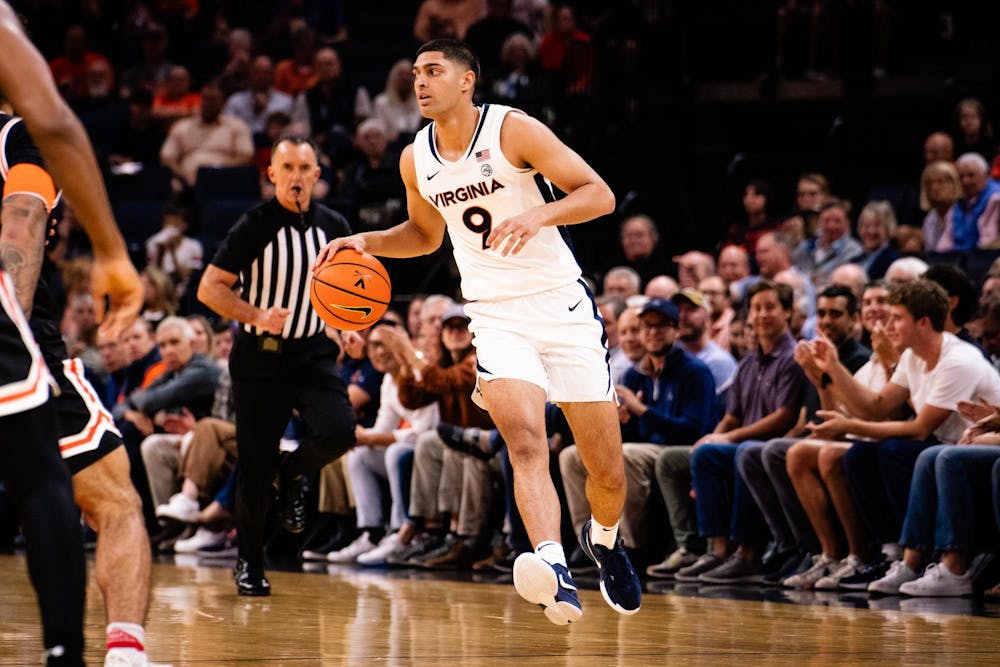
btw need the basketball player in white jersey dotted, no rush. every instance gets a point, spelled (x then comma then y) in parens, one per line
(486, 174)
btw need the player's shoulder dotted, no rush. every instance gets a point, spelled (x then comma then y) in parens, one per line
(515, 118)
(521, 132)
(408, 160)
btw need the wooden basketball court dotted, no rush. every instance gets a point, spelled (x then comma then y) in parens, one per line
(352, 616)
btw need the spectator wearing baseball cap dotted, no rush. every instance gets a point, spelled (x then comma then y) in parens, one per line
(693, 336)
(664, 307)
(455, 312)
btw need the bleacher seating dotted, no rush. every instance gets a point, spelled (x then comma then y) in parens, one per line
(152, 182)
(226, 182)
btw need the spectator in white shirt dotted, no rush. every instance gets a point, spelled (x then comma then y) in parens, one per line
(172, 251)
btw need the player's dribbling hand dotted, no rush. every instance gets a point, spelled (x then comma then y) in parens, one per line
(273, 319)
(355, 242)
(117, 280)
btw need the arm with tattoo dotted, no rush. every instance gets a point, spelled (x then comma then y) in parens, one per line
(23, 222)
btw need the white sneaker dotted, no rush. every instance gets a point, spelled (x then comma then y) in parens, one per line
(350, 553)
(180, 508)
(388, 546)
(899, 573)
(821, 567)
(938, 581)
(847, 568)
(203, 537)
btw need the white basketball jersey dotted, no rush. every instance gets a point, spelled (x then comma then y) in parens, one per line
(481, 190)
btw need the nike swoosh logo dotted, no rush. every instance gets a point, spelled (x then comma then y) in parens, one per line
(355, 309)
(430, 176)
(565, 584)
(573, 307)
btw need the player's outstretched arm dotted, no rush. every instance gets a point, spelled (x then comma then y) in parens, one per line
(27, 83)
(421, 234)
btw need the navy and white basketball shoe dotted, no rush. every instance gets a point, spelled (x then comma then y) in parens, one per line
(549, 586)
(620, 585)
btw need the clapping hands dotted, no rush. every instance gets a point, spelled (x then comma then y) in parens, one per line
(629, 403)
(986, 422)
(816, 357)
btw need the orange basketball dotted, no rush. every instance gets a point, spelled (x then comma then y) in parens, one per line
(351, 291)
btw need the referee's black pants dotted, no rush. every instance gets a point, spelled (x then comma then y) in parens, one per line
(267, 386)
(34, 473)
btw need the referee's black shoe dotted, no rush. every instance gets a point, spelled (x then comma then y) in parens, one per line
(292, 498)
(250, 579)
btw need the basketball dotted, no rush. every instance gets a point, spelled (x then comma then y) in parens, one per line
(351, 290)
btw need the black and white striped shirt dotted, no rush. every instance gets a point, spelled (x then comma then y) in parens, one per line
(273, 250)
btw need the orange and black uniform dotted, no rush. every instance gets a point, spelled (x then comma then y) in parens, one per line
(31, 467)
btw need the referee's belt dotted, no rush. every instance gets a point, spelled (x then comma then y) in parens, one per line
(272, 344)
(277, 345)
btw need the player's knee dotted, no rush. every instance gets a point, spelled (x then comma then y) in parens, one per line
(607, 475)
(525, 437)
(525, 452)
(108, 502)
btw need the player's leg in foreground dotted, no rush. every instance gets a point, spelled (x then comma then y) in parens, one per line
(103, 489)
(518, 409)
(104, 492)
(598, 439)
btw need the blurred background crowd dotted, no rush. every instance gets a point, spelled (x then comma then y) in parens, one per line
(806, 142)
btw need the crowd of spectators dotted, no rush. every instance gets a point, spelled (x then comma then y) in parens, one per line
(769, 386)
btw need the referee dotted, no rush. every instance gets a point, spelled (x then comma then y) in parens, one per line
(282, 358)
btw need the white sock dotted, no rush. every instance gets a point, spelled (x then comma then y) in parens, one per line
(603, 535)
(551, 552)
(129, 636)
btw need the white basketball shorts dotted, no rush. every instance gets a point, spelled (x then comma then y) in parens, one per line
(553, 339)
